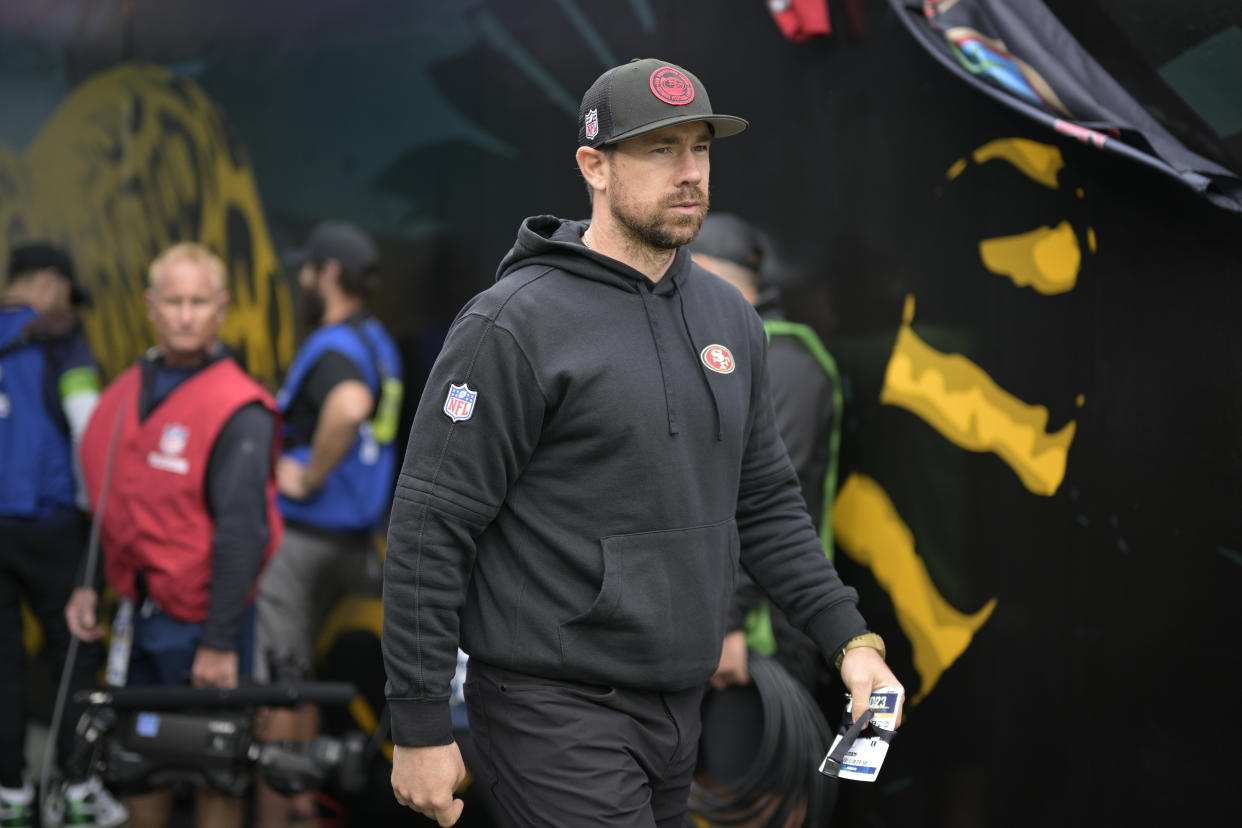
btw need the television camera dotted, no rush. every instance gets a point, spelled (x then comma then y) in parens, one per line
(155, 737)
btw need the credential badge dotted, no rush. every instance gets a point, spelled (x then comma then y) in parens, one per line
(459, 404)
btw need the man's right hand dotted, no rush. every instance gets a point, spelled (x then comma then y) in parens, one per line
(80, 614)
(424, 779)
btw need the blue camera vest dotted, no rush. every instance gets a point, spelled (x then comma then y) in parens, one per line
(358, 492)
(36, 452)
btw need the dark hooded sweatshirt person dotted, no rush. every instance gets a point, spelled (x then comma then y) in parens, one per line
(592, 454)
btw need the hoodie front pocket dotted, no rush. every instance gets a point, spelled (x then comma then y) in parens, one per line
(660, 613)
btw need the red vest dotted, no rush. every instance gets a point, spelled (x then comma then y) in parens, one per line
(155, 518)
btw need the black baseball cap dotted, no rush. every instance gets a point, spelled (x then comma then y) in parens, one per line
(36, 256)
(729, 238)
(642, 96)
(340, 240)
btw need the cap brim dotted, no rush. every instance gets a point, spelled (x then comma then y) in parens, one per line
(292, 260)
(723, 126)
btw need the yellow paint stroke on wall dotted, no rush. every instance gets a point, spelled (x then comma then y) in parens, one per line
(32, 632)
(1046, 258)
(958, 399)
(956, 169)
(365, 718)
(133, 161)
(1091, 239)
(354, 613)
(872, 533)
(1038, 162)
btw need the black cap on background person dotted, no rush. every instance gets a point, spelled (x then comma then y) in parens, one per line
(356, 258)
(347, 244)
(27, 259)
(734, 250)
(732, 239)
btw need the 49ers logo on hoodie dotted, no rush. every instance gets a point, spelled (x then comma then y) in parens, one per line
(718, 358)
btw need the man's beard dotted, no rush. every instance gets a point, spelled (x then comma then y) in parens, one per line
(652, 228)
(310, 308)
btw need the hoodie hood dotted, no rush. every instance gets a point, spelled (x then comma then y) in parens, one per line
(555, 242)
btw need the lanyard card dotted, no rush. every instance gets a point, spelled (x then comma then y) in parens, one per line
(858, 755)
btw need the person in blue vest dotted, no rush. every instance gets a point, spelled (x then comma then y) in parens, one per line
(806, 399)
(48, 387)
(341, 402)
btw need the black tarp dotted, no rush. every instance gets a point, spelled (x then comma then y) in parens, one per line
(1023, 56)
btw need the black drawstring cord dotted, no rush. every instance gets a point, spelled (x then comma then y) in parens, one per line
(698, 352)
(673, 428)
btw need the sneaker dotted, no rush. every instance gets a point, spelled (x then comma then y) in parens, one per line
(17, 807)
(90, 803)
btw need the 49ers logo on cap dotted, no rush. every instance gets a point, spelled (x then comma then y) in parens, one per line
(718, 358)
(672, 86)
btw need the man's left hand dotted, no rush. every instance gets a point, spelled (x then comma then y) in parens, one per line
(214, 668)
(864, 672)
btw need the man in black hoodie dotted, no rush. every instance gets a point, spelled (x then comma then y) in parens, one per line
(593, 453)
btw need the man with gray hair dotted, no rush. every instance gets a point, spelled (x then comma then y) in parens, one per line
(190, 515)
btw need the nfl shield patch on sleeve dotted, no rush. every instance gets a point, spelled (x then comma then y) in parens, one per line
(459, 404)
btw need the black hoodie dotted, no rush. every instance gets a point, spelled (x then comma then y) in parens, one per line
(582, 516)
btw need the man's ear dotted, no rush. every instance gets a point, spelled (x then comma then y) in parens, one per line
(330, 273)
(593, 165)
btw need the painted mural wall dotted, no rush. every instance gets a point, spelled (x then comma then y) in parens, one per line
(1042, 458)
(132, 161)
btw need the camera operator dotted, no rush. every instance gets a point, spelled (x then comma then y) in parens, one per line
(183, 440)
(48, 388)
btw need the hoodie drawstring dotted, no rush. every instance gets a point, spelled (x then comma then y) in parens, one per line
(698, 349)
(673, 427)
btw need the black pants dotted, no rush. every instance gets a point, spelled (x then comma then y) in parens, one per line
(562, 754)
(38, 561)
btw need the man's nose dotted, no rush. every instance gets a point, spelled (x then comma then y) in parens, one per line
(690, 170)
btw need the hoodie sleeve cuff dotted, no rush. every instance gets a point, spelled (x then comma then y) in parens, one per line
(419, 723)
(834, 626)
